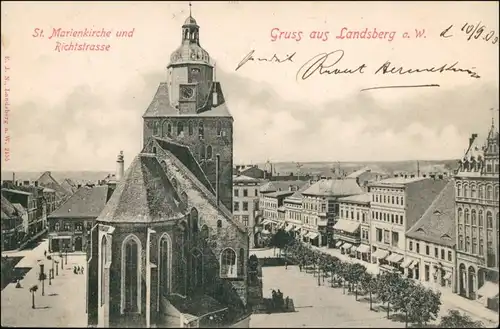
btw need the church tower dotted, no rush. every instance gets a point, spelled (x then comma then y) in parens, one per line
(189, 109)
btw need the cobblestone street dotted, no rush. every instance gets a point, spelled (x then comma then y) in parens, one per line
(63, 303)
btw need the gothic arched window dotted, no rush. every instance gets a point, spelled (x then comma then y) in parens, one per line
(201, 132)
(131, 264)
(460, 215)
(196, 268)
(165, 260)
(473, 215)
(181, 270)
(489, 219)
(473, 191)
(180, 129)
(466, 190)
(459, 189)
(209, 152)
(228, 263)
(184, 198)
(169, 129)
(190, 128)
(202, 152)
(481, 219)
(489, 192)
(497, 193)
(156, 128)
(467, 217)
(481, 191)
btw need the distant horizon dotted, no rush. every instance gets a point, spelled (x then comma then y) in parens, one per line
(10, 171)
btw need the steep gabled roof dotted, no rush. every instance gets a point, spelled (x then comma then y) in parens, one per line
(46, 180)
(8, 209)
(358, 198)
(437, 224)
(274, 186)
(86, 202)
(144, 195)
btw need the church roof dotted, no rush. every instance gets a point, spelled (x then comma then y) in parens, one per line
(160, 105)
(190, 21)
(144, 195)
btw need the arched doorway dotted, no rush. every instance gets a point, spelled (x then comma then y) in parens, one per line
(78, 243)
(472, 282)
(462, 277)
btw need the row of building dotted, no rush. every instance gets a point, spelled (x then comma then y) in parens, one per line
(25, 205)
(436, 228)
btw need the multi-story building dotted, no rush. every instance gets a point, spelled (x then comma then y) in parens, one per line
(272, 196)
(320, 208)
(477, 213)
(50, 198)
(293, 212)
(396, 205)
(71, 223)
(28, 202)
(12, 225)
(47, 180)
(246, 204)
(352, 229)
(430, 243)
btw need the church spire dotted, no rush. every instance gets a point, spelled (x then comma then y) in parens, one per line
(190, 9)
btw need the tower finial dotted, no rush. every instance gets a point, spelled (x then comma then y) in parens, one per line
(190, 8)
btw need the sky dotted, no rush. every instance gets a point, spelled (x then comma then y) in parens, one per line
(77, 110)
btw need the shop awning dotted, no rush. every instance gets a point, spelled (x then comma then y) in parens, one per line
(488, 290)
(312, 235)
(363, 248)
(347, 245)
(288, 228)
(346, 225)
(338, 244)
(407, 263)
(265, 221)
(413, 264)
(355, 248)
(380, 254)
(447, 276)
(395, 258)
(61, 237)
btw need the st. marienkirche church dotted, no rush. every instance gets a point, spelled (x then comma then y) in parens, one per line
(166, 251)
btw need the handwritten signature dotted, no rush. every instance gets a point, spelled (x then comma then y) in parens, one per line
(324, 63)
(274, 58)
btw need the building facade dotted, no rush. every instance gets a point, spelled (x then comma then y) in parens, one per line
(352, 229)
(12, 225)
(430, 243)
(166, 250)
(396, 205)
(293, 213)
(246, 204)
(320, 206)
(477, 213)
(71, 223)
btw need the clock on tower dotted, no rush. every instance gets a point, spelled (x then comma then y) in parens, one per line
(187, 92)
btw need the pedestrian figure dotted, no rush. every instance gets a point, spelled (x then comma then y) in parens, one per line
(82, 270)
(287, 301)
(286, 265)
(300, 267)
(45, 253)
(18, 284)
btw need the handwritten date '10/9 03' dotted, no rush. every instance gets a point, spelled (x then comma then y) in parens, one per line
(473, 31)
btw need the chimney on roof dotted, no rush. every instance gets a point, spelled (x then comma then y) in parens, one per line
(119, 166)
(14, 178)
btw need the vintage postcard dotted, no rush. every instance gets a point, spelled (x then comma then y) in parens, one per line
(250, 164)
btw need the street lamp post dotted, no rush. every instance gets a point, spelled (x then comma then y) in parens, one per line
(57, 267)
(319, 272)
(66, 256)
(42, 278)
(61, 257)
(50, 276)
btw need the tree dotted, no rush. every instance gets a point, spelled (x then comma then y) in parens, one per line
(421, 305)
(281, 239)
(404, 299)
(455, 319)
(369, 285)
(32, 290)
(355, 274)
